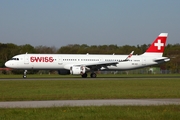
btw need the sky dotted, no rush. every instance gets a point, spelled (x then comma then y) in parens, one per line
(93, 22)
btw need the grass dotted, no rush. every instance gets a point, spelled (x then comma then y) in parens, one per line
(15, 90)
(169, 112)
(123, 86)
(11, 76)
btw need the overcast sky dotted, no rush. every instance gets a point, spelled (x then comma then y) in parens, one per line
(92, 22)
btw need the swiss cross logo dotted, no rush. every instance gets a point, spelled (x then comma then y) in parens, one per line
(159, 44)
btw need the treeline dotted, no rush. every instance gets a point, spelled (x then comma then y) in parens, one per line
(8, 50)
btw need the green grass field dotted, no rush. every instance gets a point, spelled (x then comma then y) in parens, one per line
(15, 90)
(114, 87)
(98, 76)
(169, 112)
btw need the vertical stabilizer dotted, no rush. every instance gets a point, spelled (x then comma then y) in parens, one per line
(157, 47)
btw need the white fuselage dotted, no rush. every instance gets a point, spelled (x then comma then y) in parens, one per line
(65, 61)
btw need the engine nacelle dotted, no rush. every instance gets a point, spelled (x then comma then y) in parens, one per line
(63, 72)
(77, 70)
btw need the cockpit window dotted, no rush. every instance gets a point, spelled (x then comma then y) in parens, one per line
(14, 58)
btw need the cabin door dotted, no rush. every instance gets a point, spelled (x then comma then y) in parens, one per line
(26, 59)
(143, 61)
(60, 62)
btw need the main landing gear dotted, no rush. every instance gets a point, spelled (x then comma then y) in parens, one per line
(84, 75)
(92, 75)
(24, 75)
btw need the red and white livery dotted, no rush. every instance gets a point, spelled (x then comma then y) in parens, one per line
(81, 64)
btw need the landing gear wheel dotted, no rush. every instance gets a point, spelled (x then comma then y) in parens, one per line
(84, 75)
(93, 75)
(24, 75)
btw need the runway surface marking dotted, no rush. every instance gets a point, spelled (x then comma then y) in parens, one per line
(115, 102)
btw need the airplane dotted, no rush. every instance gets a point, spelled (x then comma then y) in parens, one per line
(81, 64)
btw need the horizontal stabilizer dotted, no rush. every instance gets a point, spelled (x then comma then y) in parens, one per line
(162, 59)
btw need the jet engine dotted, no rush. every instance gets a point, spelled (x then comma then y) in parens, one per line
(77, 70)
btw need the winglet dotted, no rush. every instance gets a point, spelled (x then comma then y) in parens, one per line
(129, 56)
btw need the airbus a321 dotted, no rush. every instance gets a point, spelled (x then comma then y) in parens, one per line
(81, 64)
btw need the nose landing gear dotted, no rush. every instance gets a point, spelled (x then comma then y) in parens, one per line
(24, 75)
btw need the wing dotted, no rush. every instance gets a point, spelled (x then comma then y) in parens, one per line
(98, 65)
(104, 63)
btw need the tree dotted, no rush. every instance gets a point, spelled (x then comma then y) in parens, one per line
(46, 50)
(26, 49)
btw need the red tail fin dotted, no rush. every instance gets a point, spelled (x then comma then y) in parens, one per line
(159, 44)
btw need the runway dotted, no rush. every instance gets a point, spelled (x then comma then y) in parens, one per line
(104, 102)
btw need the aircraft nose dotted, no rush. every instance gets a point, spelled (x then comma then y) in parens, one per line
(7, 64)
